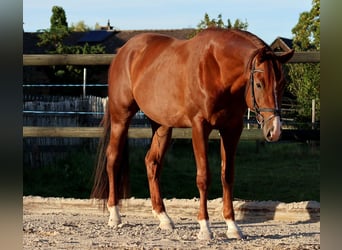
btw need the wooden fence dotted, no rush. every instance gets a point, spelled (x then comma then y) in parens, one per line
(105, 59)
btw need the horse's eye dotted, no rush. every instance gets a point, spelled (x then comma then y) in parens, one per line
(258, 85)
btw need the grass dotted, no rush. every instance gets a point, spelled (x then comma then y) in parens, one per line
(283, 171)
(71, 177)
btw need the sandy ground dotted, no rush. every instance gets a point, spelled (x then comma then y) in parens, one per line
(59, 223)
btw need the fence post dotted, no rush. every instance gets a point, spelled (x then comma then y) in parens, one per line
(84, 81)
(313, 113)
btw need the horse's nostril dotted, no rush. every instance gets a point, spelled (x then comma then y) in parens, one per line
(270, 133)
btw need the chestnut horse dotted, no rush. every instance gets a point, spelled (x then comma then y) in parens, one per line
(203, 83)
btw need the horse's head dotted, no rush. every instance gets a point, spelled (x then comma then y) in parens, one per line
(265, 90)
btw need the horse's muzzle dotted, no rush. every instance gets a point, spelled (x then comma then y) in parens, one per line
(272, 129)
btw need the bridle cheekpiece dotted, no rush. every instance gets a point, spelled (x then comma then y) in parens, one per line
(256, 109)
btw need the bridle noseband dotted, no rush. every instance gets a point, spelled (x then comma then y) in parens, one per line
(257, 110)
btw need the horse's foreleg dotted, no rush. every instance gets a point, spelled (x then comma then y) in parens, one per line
(153, 160)
(200, 143)
(114, 154)
(228, 149)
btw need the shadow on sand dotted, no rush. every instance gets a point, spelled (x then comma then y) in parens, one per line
(300, 212)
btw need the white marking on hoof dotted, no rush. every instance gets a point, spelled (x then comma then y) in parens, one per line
(165, 221)
(205, 232)
(234, 232)
(114, 216)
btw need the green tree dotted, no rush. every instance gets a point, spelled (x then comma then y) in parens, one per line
(238, 24)
(58, 19)
(53, 40)
(97, 26)
(208, 22)
(79, 27)
(307, 30)
(304, 81)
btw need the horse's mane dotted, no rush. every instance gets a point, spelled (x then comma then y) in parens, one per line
(256, 41)
(259, 43)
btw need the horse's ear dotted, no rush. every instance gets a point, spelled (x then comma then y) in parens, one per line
(285, 57)
(263, 54)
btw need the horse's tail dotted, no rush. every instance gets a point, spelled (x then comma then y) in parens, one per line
(100, 188)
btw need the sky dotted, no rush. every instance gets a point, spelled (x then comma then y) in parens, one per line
(267, 19)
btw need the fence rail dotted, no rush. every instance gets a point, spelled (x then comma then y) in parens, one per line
(134, 133)
(177, 133)
(105, 59)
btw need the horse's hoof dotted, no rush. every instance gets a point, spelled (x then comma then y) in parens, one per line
(165, 221)
(205, 235)
(114, 216)
(234, 231)
(166, 225)
(114, 223)
(236, 234)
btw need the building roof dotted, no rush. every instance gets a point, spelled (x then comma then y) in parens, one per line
(30, 41)
(113, 39)
(95, 36)
(110, 39)
(281, 44)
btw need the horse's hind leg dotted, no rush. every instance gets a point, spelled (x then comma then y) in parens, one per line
(115, 148)
(114, 151)
(153, 160)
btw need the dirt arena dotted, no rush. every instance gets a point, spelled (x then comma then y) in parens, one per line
(59, 223)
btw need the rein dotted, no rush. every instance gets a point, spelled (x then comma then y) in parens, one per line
(257, 109)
